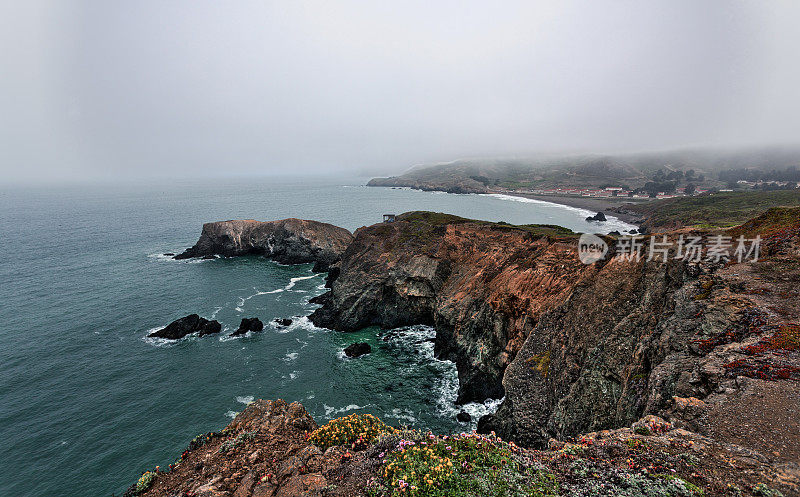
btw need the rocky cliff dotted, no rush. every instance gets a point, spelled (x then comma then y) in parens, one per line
(275, 449)
(584, 355)
(288, 241)
(482, 285)
(574, 347)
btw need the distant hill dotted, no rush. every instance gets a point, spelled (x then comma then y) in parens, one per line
(592, 170)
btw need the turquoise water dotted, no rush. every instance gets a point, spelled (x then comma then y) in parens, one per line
(87, 403)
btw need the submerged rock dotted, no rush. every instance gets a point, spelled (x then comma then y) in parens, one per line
(288, 241)
(357, 349)
(186, 326)
(463, 417)
(248, 324)
(284, 322)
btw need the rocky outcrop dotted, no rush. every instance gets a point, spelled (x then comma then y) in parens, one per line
(600, 217)
(248, 324)
(572, 347)
(266, 451)
(186, 326)
(288, 241)
(357, 349)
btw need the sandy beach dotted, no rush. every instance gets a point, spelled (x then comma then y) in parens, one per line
(589, 203)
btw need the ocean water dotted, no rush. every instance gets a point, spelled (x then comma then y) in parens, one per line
(87, 402)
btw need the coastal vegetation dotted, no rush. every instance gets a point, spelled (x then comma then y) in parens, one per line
(355, 429)
(282, 453)
(718, 210)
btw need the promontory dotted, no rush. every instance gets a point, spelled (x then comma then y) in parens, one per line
(287, 241)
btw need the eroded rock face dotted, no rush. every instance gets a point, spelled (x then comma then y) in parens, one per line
(288, 241)
(482, 286)
(186, 326)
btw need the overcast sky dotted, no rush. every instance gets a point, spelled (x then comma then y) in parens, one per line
(112, 89)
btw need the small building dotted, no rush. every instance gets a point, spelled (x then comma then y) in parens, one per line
(388, 218)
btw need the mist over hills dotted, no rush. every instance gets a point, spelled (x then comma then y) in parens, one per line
(477, 175)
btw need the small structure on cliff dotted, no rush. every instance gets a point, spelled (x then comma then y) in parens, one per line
(388, 218)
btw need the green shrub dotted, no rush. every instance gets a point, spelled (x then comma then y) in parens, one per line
(573, 449)
(465, 465)
(240, 439)
(763, 490)
(145, 482)
(355, 429)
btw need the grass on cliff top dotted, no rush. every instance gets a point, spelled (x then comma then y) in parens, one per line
(774, 220)
(718, 210)
(423, 219)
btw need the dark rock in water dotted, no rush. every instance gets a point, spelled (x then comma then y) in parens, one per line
(633, 232)
(357, 349)
(464, 417)
(210, 328)
(208, 257)
(283, 321)
(187, 325)
(615, 233)
(248, 324)
(169, 254)
(288, 241)
(597, 217)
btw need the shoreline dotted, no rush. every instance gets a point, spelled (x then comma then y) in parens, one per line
(606, 206)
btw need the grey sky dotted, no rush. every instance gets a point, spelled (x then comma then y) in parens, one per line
(112, 89)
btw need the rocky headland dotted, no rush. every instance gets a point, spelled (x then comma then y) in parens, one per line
(618, 377)
(449, 185)
(288, 241)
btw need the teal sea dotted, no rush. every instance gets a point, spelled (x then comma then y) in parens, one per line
(87, 402)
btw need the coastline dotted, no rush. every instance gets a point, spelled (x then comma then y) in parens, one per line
(588, 203)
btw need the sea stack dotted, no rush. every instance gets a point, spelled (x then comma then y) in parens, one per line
(597, 217)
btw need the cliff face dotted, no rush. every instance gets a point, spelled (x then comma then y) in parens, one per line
(482, 286)
(288, 241)
(573, 347)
